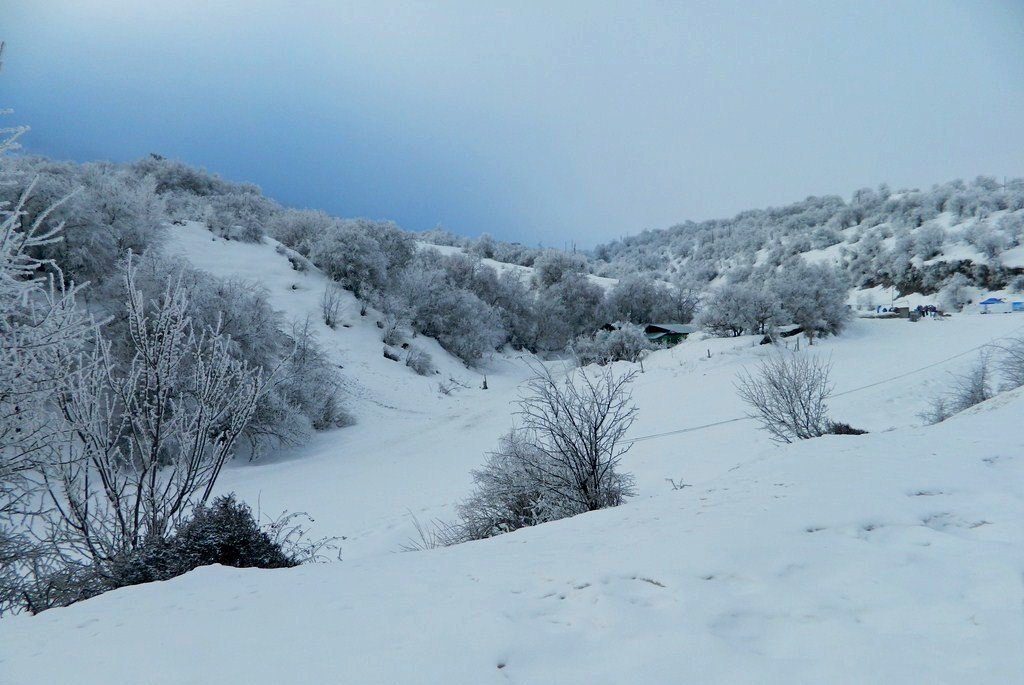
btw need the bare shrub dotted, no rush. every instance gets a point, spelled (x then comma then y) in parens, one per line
(974, 386)
(1011, 362)
(561, 460)
(419, 361)
(290, 533)
(969, 388)
(787, 394)
(938, 410)
(433, 535)
(330, 304)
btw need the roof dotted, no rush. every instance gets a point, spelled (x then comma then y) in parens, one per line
(991, 300)
(677, 328)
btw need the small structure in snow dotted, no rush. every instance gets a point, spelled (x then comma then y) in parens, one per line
(997, 305)
(668, 334)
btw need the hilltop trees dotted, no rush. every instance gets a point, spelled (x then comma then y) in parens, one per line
(810, 296)
(858, 233)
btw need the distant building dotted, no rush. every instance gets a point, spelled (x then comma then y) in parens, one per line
(668, 334)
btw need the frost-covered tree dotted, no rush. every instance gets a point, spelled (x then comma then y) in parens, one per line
(143, 444)
(738, 309)
(955, 294)
(625, 342)
(41, 326)
(641, 300)
(299, 229)
(106, 211)
(241, 214)
(787, 396)
(812, 296)
(563, 457)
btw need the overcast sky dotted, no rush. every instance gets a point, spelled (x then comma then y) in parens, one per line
(542, 122)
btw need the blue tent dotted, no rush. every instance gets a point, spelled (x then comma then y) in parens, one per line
(991, 300)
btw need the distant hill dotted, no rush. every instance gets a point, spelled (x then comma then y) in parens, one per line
(912, 240)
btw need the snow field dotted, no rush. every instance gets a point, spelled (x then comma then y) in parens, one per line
(891, 557)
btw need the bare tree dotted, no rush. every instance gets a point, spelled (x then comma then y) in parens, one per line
(577, 426)
(40, 326)
(561, 460)
(787, 394)
(330, 303)
(144, 445)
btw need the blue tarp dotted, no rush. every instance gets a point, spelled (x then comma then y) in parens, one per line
(991, 300)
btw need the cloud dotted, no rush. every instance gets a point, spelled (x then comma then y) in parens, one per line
(578, 121)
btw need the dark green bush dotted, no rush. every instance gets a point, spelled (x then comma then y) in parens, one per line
(223, 532)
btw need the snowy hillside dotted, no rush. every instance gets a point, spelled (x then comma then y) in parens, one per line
(894, 556)
(912, 241)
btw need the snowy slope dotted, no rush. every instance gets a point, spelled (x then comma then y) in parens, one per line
(412, 449)
(891, 557)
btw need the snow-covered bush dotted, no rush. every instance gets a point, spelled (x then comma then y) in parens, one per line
(309, 387)
(555, 266)
(733, 310)
(787, 396)
(223, 532)
(561, 460)
(419, 360)
(626, 342)
(566, 309)
(641, 300)
(351, 257)
(241, 214)
(510, 492)
(955, 294)
(464, 324)
(299, 229)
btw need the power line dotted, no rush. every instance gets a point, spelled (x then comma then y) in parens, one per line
(692, 429)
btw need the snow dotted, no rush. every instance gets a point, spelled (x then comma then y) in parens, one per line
(956, 251)
(890, 557)
(1013, 258)
(830, 255)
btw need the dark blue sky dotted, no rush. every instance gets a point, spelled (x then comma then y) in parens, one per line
(537, 122)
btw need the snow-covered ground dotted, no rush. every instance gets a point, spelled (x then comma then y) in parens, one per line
(890, 557)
